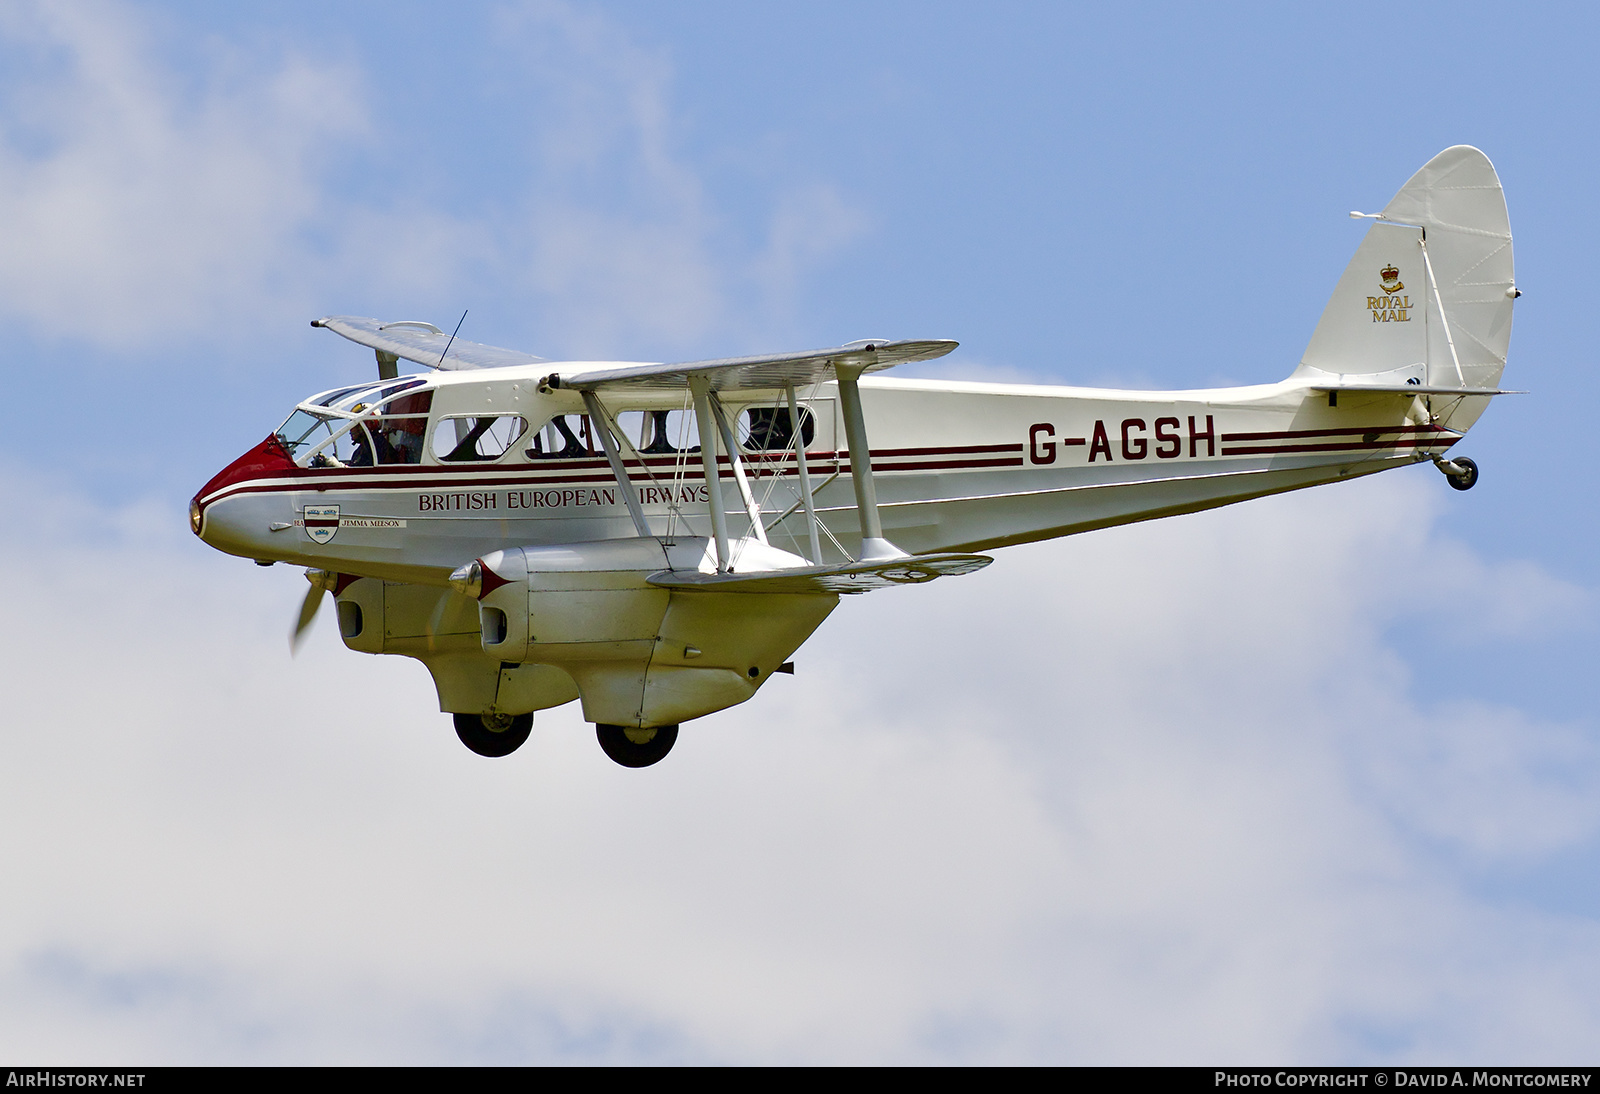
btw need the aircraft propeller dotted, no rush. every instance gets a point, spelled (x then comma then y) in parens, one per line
(321, 582)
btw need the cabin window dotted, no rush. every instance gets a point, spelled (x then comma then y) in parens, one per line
(340, 394)
(365, 394)
(564, 437)
(665, 433)
(305, 433)
(394, 434)
(360, 427)
(650, 432)
(470, 438)
(661, 432)
(769, 428)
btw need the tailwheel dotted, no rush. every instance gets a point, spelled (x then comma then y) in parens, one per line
(493, 734)
(632, 747)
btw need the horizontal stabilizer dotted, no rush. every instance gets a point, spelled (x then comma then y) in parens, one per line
(856, 577)
(423, 343)
(766, 372)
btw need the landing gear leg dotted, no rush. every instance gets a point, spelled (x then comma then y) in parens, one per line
(632, 747)
(1460, 473)
(493, 734)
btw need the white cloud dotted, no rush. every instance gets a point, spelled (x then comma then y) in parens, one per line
(1158, 793)
(136, 202)
(811, 225)
(618, 237)
(156, 188)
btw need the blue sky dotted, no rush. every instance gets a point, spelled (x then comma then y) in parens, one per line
(1309, 779)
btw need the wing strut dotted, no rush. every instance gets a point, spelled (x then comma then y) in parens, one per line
(602, 426)
(805, 475)
(874, 547)
(730, 444)
(700, 388)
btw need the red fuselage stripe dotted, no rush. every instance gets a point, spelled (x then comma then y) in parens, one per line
(1297, 434)
(1347, 446)
(584, 470)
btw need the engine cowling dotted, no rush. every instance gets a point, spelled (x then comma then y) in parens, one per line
(442, 629)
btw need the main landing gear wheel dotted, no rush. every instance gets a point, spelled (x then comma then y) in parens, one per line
(493, 734)
(1463, 482)
(632, 747)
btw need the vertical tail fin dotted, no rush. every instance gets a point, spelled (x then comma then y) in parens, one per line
(1385, 319)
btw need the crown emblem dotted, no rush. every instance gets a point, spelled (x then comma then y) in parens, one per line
(1389, 278)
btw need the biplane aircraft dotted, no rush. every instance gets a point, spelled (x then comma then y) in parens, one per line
(656, 540)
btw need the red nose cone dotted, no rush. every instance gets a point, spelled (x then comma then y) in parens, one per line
(267, 458)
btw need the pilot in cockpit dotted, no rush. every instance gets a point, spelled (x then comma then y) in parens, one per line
(371, 446)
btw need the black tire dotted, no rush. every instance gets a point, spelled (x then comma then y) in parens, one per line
(1467, 481)
(495, 734)
(630, 753)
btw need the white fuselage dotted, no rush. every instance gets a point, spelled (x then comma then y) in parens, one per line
(958, 466)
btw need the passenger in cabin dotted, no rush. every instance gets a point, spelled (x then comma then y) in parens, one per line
(404, 422)
(404, 437)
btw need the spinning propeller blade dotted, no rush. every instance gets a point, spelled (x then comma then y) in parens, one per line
(321, 582)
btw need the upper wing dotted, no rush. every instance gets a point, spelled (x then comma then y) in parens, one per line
(771, 370)
(423, 343)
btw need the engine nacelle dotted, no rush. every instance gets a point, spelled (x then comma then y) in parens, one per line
(641, 655)
(574, 602)
(441, 628)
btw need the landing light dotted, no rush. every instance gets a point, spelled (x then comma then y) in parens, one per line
(194, 517)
